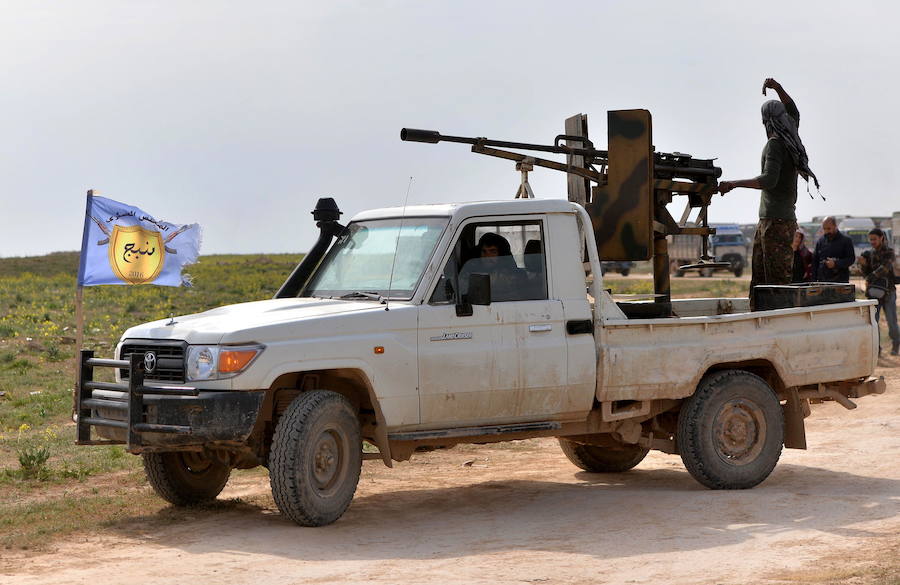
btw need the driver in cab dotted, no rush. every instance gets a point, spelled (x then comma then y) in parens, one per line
(494, 258)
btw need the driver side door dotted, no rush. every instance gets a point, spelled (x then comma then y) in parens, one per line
(506, 362)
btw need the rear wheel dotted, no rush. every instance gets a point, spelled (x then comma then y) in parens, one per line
(316, 458)
(603, 459)
(731, 431)
(738, 272)
(625, 271)
(184, 478)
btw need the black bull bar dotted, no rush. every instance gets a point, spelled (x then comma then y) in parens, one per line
(147, 418)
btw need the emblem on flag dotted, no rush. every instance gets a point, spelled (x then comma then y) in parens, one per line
(136, 254)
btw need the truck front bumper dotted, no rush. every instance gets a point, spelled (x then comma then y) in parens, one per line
(159, 418)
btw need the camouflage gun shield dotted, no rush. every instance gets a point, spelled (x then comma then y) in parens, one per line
(622, 210)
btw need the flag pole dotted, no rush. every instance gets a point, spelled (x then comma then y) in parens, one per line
(79, 288)
(79, 319)
(79, 296)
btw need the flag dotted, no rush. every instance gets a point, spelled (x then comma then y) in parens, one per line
(125, 245)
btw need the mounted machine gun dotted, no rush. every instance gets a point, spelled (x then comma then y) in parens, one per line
(625, 189)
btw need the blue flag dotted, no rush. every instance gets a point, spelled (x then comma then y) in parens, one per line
(125, 245)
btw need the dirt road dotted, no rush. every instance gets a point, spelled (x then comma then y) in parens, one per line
(521, 513)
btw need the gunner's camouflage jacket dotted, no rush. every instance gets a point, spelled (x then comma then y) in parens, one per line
(879, 268)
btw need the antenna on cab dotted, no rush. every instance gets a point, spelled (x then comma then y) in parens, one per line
(397, 245)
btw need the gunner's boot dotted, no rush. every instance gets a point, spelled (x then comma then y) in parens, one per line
(895, 350)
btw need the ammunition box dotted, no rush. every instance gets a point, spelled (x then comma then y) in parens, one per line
(784, 296)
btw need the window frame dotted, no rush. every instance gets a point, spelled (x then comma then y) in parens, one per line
(539, 219)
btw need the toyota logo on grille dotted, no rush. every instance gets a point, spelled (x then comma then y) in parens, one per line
(149, 361)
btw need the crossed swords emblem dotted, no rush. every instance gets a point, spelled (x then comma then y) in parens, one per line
(171, 237)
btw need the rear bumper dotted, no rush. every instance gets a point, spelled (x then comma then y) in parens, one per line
(842, 392)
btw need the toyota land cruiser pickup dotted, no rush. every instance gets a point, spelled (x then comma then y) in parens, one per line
(398, 333)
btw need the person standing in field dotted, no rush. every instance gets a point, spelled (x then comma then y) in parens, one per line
(877, 265)
(783, 159)
(802, 271)
(834, 254)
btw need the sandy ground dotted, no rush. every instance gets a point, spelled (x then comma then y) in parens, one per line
(521, 513)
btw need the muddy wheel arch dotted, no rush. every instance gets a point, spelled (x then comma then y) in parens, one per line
(352, 383)
(794, 409)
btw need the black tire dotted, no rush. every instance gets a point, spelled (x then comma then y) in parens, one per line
(625, 271)
(185, 478)
(601, 459)
(316, 458)
(731, 431)
(679, 273)
(738, 272)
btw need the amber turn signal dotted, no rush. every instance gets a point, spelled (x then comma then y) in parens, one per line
(379, 349)
(235, 360)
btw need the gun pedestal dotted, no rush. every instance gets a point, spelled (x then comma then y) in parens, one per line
(525, 166)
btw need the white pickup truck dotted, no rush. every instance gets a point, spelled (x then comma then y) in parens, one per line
(371, 341)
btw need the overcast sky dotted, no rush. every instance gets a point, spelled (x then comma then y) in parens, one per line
(239, 115)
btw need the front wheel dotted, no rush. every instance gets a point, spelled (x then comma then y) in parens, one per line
(316, 458)
(738, 272)
(731, 431)
(603, 460)
(184, 478)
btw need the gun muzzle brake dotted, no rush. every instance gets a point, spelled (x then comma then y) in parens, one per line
(413, 135)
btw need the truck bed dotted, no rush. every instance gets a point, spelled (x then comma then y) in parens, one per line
(644, 359)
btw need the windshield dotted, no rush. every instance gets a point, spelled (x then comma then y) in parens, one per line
(361, 260)
(728, 239)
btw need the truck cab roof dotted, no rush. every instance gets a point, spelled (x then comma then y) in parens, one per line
(471, 209)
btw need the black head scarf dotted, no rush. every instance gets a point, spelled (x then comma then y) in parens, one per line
(779, 123)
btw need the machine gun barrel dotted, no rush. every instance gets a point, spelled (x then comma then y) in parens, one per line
(433, 137)
(669, 166)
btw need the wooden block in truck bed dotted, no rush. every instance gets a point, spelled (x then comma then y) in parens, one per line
(808, 294)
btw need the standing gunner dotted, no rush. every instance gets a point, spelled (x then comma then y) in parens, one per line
(783, 158)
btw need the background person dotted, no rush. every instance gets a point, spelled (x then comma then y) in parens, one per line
(834, 254)
(803, 258)
(783, 158)
(877, 266)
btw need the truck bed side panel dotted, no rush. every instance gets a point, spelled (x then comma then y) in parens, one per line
(665, 358)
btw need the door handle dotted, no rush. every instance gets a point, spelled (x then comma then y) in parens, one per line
(539, 328)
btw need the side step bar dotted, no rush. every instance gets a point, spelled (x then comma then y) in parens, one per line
(475, 431)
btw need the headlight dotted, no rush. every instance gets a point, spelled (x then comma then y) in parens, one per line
(212, 362)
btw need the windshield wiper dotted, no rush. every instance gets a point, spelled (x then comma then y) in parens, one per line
(362, 294)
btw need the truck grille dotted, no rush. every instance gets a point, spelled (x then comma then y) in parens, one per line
(169, 360)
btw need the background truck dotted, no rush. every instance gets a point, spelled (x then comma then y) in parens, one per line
(398, 330)
(727, 245)
(857, 229)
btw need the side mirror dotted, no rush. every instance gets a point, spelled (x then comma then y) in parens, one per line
(480, 289)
